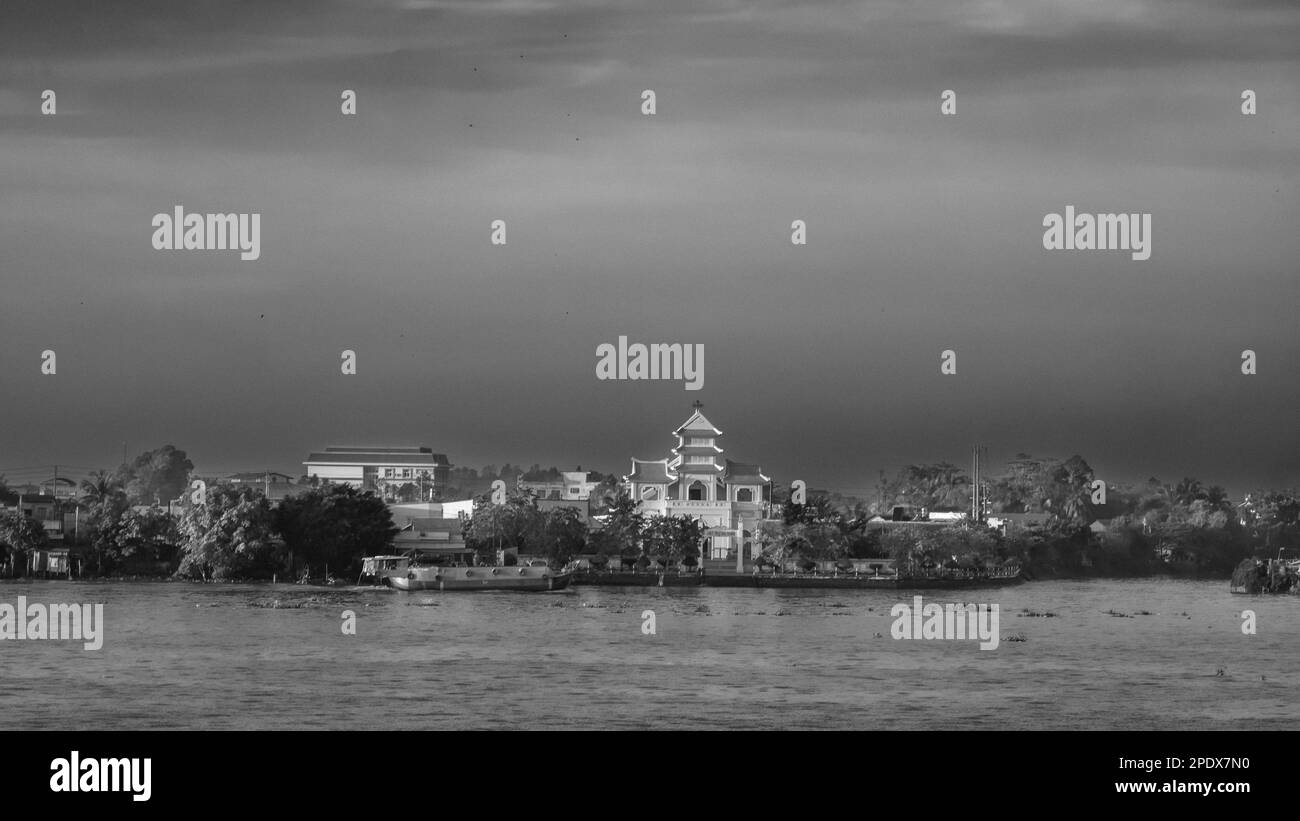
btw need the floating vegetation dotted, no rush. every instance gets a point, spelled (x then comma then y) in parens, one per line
(315, 600)
(1036, 614)
(1143, 613)
(783, 613)
(1118, 614)
(1015, 637)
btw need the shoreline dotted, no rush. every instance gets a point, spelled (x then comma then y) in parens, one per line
(748, 581)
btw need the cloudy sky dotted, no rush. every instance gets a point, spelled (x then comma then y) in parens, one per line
(822, 361)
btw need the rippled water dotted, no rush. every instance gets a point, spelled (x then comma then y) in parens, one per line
(221, 657)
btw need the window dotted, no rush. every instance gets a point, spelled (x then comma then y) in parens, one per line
(744, 495)
(649, 494)
(697, 459)
(699, 441)
(696, 492)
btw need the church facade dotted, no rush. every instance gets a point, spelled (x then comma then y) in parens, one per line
(729, 498)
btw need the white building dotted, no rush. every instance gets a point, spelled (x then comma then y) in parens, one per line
(396, 474)
(729, 498)
(573, 485)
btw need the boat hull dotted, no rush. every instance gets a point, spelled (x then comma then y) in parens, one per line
(528, 579)
(798, 581)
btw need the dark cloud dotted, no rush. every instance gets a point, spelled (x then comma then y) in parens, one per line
(822, 361)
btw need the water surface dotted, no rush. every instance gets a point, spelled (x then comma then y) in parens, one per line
(226, 657)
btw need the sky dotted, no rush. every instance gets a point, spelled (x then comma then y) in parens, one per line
(822, 361)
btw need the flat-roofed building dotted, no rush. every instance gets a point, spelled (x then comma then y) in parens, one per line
(573, 486)
(395, 474)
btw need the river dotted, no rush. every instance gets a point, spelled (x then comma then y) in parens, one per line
(179, 655)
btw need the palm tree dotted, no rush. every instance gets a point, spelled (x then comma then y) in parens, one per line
(100, 487)
(1188, 491)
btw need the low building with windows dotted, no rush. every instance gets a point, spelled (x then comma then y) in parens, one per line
(275, 486)
(573, 486)
(395, 474)
(729, 498)
(46, 508)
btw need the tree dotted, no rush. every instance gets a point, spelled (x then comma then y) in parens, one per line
(105, 502)
(563, 535)
(1068, 491)
(516, 524)
(816, 509)
(156, 476)
(334, 526)
(19, 534)
(936, 485)
(621, 533)
(671, 539)
(1061, 488)
(99, 487)
(134, 533)
(227, 537)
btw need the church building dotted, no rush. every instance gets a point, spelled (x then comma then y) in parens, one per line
(729, 498)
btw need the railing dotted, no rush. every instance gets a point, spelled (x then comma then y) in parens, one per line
(1001, 572)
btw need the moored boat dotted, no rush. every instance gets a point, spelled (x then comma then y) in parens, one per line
(1255, 576)
(521, 577)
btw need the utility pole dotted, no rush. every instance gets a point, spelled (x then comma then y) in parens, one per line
(977, 500)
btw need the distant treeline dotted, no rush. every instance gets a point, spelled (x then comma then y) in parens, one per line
(1186, 527)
